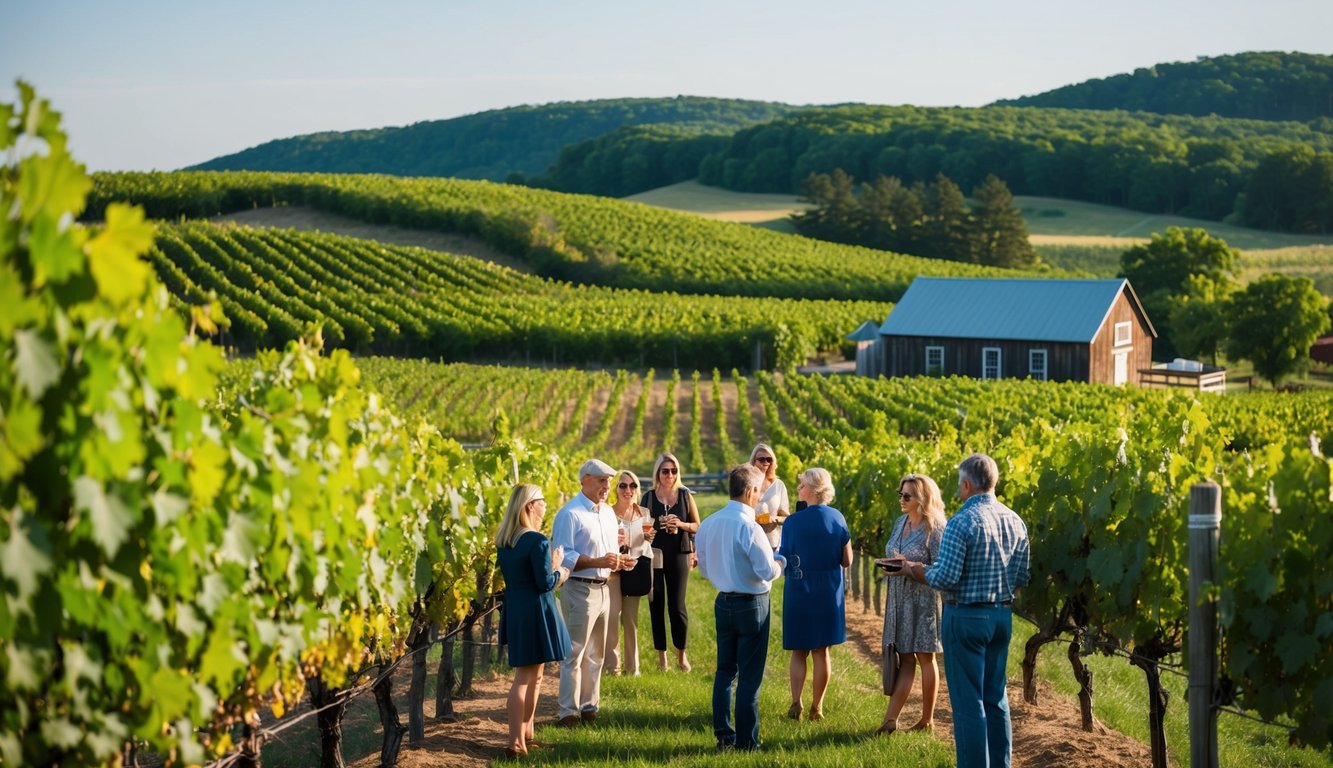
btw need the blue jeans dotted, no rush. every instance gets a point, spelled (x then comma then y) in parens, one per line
(742, 650)
(976, 652)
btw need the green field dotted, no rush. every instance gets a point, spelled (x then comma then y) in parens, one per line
(1070, 235)
(1050, 220)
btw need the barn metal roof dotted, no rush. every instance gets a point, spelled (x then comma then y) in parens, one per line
(867, 331)
(1004, 308)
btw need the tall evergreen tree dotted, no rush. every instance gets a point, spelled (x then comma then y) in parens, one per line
(999, 234)
(947, 221)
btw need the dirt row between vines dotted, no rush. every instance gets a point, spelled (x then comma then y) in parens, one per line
(1046, 734)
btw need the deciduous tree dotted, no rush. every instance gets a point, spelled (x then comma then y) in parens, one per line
(1274, 321)
(1160, 270)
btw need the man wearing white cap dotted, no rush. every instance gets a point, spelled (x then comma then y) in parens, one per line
(586, 529)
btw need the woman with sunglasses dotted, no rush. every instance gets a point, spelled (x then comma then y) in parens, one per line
(911, 610)
(774, 505)
(676, 519)
(818, 546)
(627, 587)
(530, 625)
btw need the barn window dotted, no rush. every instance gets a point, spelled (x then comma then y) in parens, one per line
(1123, 334)
(990, 362)
(1037, 364)
(934, 361)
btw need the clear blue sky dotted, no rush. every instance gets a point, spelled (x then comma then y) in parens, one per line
(146, 84)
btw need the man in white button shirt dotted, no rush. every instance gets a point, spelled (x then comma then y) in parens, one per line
(586, 529)
(735, 555)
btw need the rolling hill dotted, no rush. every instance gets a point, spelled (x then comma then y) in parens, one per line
(1257, 85)
(492, 144)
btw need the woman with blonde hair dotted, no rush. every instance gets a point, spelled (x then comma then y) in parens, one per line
(627, 587)
(676, 519)
(911, 610)
(818, 546)
(774, 505)
(530, 625)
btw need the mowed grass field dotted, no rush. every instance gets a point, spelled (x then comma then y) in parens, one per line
(1070, 235)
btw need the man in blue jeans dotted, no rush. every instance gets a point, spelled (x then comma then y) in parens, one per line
(735, 555)
(983, 562)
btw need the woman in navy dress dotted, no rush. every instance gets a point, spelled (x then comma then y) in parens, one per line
(818, 547)
(530, 624)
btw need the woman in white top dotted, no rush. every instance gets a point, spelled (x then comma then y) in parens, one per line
(773, 501)
(636, 540)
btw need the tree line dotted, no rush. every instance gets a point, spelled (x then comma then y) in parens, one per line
(492, 145)
(1207, 167)
(1264, 85)
(1187, 282)
(926, 219)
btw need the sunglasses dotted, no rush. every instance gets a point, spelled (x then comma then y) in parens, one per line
(904, 496)
(623, 486)
(763, 460)
(668, 471)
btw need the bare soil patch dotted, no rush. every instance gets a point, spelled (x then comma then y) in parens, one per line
(1046, 734)
(303, 218)
(621, 428)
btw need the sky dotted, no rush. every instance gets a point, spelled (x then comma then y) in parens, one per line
(149, 85)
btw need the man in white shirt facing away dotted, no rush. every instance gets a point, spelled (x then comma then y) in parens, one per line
(585, 528)
(735, 555)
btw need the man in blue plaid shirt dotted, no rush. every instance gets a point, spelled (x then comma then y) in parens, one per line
(982, 563)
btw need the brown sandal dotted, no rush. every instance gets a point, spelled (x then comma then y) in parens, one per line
(887, 728)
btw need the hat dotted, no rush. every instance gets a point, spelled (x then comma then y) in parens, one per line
(595, 468)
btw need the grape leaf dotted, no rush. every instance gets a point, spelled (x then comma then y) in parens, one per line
(113, 255)
(36, 365)
(110, 518)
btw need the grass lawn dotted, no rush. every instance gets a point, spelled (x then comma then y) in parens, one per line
(1048, 217)
(664, 718)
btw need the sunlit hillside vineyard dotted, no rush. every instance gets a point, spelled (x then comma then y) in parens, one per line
(189, 541)
(275, 286)
(573, 237)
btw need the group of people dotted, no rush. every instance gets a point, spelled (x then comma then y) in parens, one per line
(950, 586)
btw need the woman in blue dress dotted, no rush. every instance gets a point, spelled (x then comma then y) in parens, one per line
(818, 547)
(530, 624)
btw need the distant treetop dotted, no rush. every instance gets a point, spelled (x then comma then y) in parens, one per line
(1267, 85)
(493, 144)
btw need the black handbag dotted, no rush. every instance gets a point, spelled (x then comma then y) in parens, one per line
(692, 515)
(889, 663)
(637, 581)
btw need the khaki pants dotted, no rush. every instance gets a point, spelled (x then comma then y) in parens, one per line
(624, 615)
(586, 608)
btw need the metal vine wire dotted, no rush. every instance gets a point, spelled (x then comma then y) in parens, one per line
(1169, 668)
(261, 736)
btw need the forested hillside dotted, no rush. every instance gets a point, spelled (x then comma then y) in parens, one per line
(1268, 85)
(493, 144)
(1193, 166)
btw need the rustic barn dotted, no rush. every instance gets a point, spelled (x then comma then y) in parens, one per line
(1059, 330)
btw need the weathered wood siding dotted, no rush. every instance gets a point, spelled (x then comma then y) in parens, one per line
(1104, 347)
(906, 356)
